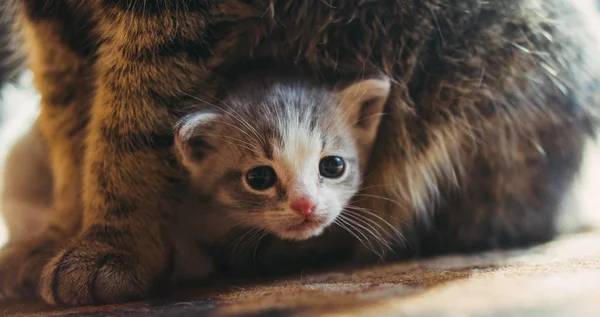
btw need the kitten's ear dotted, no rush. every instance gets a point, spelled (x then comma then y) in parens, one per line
(190, 140)
(364, 102)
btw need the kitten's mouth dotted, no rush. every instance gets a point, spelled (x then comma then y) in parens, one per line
(302, 231)
(305, 226)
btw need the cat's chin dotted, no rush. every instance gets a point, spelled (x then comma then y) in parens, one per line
(302, 231)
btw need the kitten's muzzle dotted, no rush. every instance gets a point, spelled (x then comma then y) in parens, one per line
(304, 206)
(305, 225)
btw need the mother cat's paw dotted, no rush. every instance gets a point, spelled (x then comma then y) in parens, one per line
(90, 272)
(21, 265)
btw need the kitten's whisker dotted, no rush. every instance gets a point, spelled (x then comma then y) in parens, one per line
(223, 138)
(369, 229)
(256, 236)
(229, 137)
(234, 115)
(377, 186)
(374, 214)
(395, 230)
(238, 229)
(351, 224)
(395, 233)
(235, 235)
(381, 242)
(238, 117)
(340, 222)
(365, 218)
(249, 238)
(262, 235)
(242, 238)
(242, 131)
(385, 221)
(250, 137)
(380, 114)
(382, 198)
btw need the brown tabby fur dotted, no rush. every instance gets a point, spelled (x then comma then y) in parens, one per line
(491, 105)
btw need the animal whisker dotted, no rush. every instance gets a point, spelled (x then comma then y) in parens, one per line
(348, 223)
(234, 115)
(368, 229)
(397, 234)
(340, 222)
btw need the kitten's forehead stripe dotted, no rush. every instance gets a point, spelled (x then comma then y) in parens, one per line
(313, 123)
(267, 146)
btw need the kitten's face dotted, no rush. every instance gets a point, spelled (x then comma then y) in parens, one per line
(285, 160)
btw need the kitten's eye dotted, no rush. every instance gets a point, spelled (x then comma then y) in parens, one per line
(332, 166)
(261, 178)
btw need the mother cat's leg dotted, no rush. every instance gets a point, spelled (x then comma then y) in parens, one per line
(149, 60)
(60, 58)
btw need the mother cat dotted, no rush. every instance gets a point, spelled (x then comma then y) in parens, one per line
(491, 105)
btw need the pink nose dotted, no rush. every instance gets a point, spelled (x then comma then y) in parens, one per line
(303, 206)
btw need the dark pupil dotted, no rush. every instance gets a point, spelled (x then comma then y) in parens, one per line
(261, 178)
(332, 166)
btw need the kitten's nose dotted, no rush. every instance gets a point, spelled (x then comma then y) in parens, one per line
(304, 206)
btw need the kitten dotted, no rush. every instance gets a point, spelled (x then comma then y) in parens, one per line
(281, 159)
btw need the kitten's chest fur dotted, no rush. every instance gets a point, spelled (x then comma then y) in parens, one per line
(199, 229)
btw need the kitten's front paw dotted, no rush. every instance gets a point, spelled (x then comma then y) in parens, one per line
(21, 265)
(90, 272)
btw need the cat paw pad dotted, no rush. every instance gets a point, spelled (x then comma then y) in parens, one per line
(92, 273)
